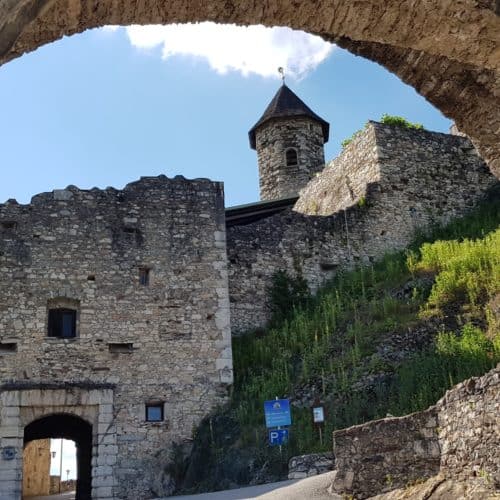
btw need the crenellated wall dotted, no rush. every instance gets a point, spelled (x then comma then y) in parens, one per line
(388, 183)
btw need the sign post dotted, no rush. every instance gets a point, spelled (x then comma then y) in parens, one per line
(318, 414)
(277, 414)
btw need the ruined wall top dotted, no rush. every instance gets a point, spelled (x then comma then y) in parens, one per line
(131, 190)
(390, 156)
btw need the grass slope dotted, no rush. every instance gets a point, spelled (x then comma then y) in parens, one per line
(388, 338)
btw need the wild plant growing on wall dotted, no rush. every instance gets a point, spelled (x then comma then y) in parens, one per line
(386, 119)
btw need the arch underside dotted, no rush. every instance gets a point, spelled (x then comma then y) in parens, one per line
(67, 426)
(447, 50)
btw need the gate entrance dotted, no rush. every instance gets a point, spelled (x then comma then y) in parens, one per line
(67, 426)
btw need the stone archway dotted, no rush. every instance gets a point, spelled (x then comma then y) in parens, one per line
(448, 51)
(30, 412)
(68, 426)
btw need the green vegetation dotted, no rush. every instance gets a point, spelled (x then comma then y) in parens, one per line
(398, 121)
(337, 345)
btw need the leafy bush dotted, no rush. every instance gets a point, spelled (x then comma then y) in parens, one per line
(399, 121)
(424, 379)
(466, 271)
(286, 294)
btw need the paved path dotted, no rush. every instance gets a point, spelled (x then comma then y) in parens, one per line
(69, 495)
(311, 488)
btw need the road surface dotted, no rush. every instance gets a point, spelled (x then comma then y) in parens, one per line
(311, 488)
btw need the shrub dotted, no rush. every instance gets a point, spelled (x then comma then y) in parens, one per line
(399, 121)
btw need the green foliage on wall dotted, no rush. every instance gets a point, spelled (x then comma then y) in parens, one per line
(399, 121)
(386, 119)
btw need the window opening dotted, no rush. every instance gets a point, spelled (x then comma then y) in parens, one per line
(62, 323)
(9, 225)
(154, 412)
(144, 275)
(8, 347)
(121, 347)
(291, 157)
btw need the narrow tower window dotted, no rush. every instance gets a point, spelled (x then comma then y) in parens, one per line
(291, 157)
(144, 276)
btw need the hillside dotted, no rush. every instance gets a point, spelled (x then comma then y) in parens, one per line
(390, 338)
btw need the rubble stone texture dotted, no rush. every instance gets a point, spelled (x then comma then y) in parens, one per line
(309, 465)
(273, 139)
(458, 438)
(386, 184)
(447, 50)
(167, 342)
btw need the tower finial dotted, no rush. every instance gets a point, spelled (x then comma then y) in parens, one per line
(281, 71)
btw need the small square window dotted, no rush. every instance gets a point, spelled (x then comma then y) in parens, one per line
(62, 323)
(154, 412)
(144, 274)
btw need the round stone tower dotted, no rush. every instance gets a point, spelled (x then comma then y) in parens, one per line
(289, 139)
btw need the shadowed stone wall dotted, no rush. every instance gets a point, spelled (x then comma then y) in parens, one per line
(368, 201)
(166, 342)
(458, 437)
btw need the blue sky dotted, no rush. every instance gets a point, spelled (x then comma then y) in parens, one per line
(108, 106)
(68, 461)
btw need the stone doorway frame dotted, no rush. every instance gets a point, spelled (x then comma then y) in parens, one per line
(20, 406)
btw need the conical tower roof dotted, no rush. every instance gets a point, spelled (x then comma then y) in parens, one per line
(285, 104)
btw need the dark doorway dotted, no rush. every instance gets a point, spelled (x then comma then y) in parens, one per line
(63, 426)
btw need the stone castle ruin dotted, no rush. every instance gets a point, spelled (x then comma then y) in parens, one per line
(117, 306)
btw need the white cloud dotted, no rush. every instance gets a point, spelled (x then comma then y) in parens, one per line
(110, 28)
(253, 49)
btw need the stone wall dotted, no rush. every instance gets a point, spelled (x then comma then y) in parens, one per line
(386, 454)
(388, 183)
(469, 429)
(346, 179)
(166, 342)
(310, 465)
(277, 180)
(36, 468)
(459, 437)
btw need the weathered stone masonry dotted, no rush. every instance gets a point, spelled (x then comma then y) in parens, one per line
(166, 342)
(370, 200)
(458, 438)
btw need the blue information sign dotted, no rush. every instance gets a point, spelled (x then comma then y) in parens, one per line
(277, 412)
(277, 437)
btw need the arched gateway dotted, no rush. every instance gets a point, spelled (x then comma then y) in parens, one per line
(68, 426)
(81, 415)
